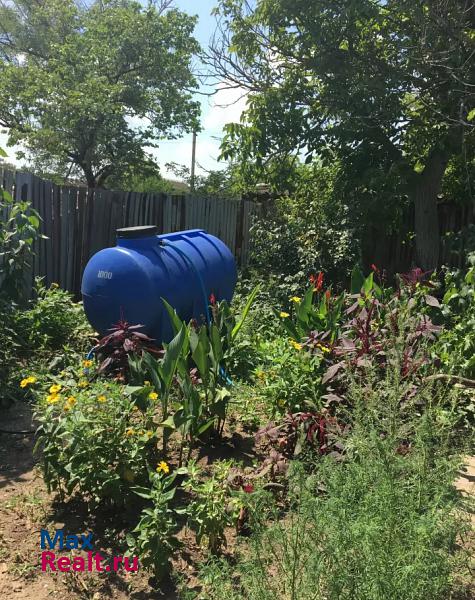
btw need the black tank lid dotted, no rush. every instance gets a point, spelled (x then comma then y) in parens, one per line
(141, 231)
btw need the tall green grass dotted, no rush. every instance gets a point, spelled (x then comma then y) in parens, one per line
(383, 523)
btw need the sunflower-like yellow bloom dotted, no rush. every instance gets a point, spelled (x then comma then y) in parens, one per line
(153, 395)
(163, 467)
(27, 381)
(296, 345)
(296, 299)
(54, 389)
(101, 398)
(284, 315)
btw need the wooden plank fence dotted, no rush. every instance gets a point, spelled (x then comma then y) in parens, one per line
(396, 252)
(79, 222)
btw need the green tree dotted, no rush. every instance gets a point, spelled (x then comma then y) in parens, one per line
(387, 87)
(87, 89)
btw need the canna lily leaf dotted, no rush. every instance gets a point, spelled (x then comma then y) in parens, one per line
(247, 308)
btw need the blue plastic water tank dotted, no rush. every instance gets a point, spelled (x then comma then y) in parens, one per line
(128, 281)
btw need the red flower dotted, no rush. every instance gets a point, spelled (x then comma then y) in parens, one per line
(212, 299)
(328, 295)
(317, 281)
(374, 268)
(248, 488)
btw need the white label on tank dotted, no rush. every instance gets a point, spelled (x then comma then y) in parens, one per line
(104, 275)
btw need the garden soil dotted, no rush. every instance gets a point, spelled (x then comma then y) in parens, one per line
(25, 507)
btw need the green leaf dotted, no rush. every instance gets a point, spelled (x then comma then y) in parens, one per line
(174, 318)
(357, 280)
(3, 154)
(247, 308)
(172, 355)
(368, 284)
(419, 167)
(471, 115)
(201, 352)
(143, 492)
(155, 372)
(216, 344)
(34, 221)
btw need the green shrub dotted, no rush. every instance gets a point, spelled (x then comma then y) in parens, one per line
(288, 376)
(94, 438)
(308, 231)
(155, 541)
(382, 523)
(211, 509)
(53, 319)
(18, 232)
(457, 344)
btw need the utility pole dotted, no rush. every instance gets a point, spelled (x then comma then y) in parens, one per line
(193, 161)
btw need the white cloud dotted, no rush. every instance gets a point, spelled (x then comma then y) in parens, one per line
(226, 106)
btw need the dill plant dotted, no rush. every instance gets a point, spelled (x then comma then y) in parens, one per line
(382, 524)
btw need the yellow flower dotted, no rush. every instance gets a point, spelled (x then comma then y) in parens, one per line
(54, 389)
(284, 315)
(296, 299)
(25, 382)
(146, 383)
(296, 345)
(129, 432)
(281, 403)
(323, 348)
(260, 374)
(52, 398)
(101, 398)
(71, 401)
(54, 286)
(163, 467)
(153, 395)
(149, 434)
(83, 384)
(87, 363)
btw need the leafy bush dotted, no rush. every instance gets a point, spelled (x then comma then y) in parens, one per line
(53, 319)
(288, 376)
(211, 509)
(457, 344)
(94, 438)
(382, 523)
(155, 540)
(18, 232)
(308, 231)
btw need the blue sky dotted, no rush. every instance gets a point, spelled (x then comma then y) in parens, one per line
(217, 110)
(224, 107)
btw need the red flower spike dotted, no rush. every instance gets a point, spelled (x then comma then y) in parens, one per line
(328, 295)
(317, 281)
(374, 268)
(212, 299)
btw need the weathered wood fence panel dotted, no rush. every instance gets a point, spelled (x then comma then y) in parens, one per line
(78, 222)
(396, 253)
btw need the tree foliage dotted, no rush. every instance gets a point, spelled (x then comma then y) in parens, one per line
(87, 90)
(386, 87)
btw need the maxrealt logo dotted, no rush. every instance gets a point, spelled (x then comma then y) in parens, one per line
(93, 561)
